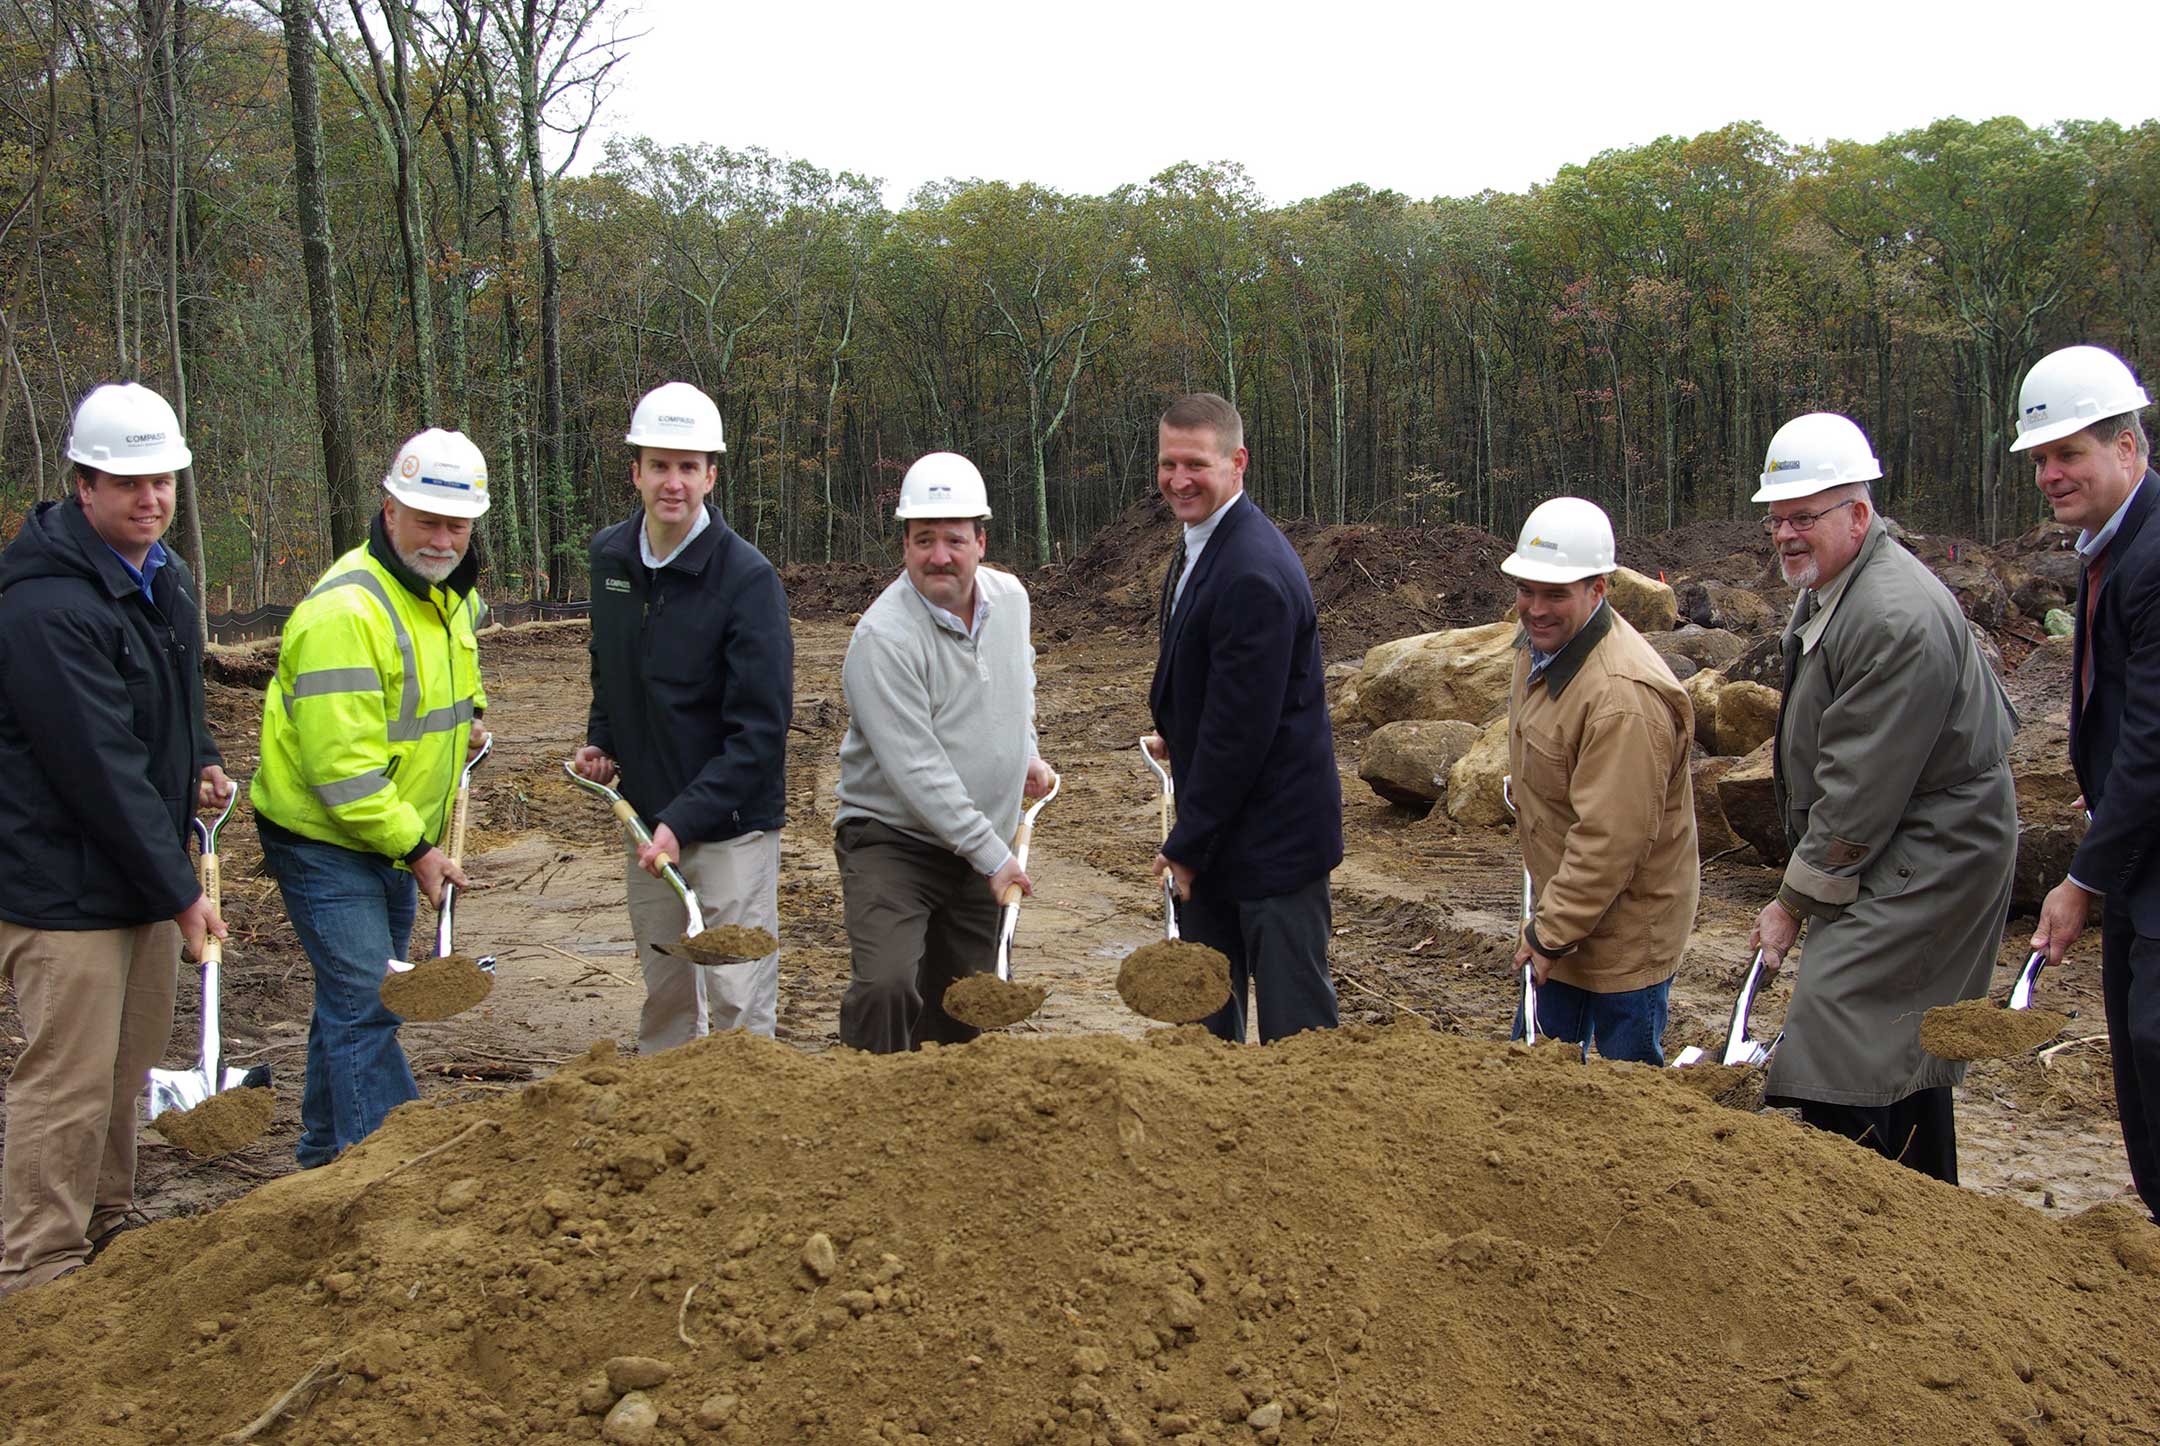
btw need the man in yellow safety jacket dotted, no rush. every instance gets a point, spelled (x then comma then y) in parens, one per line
(366, 726)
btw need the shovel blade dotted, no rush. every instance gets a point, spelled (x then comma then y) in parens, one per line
(177, 1089)
(1693, 1054)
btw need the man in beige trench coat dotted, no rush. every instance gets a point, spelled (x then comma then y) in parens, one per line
(1894, 783)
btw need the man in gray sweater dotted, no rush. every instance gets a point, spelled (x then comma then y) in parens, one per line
(940, 748)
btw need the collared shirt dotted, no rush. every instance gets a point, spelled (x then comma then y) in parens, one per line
(944, 617)
(1196, 541)
(1571, 653)
(644, 540)
(152, 561)
(1826, 601)
(2091, 544)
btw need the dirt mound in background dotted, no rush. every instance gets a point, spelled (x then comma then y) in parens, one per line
(833, 589)
(1370, 584)
(1737, 552)
(1356, 1235)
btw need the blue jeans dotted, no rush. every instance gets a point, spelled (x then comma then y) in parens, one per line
(353, 913)
(1627, 1025)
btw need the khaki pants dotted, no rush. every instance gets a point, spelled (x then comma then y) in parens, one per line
(96, 1007)
(737, 881)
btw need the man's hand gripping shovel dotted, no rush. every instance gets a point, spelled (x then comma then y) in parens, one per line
(449, 983)
(177, 1094)
(992, 1000)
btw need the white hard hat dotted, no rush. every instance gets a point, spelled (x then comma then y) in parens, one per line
(128, 430)
(942, 484)
(1814, 453)
(676, 415)
(440, 472)
(1565, 539)
(2069, 390)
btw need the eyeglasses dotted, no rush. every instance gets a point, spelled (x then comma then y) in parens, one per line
(1803, 521)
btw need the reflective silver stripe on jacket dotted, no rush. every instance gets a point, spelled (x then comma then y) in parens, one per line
(351, 790)
(331, 680)
(403, 726)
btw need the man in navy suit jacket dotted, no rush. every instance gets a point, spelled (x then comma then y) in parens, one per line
(2097, 476)
(1241, 707)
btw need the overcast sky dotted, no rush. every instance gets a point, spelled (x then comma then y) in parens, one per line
(1432, 99)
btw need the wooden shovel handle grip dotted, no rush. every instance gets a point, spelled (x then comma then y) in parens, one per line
(1020, 843)
(627, 817)
(211, 882)
(458, 814)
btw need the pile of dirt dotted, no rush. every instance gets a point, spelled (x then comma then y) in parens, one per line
(725, 944)
(1356, 1235)
(1370, 584)
(1736, 552)
(988, 1002)
(833, 589)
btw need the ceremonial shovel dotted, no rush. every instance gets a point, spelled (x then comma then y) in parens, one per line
(1528, 1000)
(992, 1001)
(183, 1089)
(2021, 993)
(446, 914)
(685, 947)
(1739, 1048)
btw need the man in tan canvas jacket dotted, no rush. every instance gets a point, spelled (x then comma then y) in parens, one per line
(1598, 734)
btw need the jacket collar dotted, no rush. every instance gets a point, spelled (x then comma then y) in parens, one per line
(692, 559)
(459, 582)
(92, 551)
(1575, 652)
(1834, 592)
(1227, 518)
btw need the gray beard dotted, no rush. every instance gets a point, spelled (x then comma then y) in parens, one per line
(429, 571)
(1808, 570)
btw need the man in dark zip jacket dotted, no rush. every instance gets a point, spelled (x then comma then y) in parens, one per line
(692, 685)
(107, 757)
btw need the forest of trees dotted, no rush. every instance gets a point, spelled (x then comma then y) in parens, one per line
(318, 225)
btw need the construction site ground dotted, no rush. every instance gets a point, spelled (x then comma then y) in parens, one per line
(1092, 1229)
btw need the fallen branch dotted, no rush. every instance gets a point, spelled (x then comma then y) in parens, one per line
(1355, 983)
(472, 1129)
(682, 1313)
(2054, 1049)
(580, 959)
(295, 1399)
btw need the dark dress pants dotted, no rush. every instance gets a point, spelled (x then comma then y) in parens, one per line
(918, 918)
(1918, 1131)
(2130, 987)
(1277, 947)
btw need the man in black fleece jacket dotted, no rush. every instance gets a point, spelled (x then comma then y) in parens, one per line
(107, 756)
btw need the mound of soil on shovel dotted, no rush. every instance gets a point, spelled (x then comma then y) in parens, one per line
(988, 1002)
(436, 988)
(1174, 981)
(1356, 1235)
(1983, 1029)
(727, 944)
(225, 1122)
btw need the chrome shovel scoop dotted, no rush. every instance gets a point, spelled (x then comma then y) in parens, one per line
(2021, 993)
(183, 1089)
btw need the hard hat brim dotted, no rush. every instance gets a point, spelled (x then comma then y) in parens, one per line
(1549, 572)
(677, 444)
(938, 514)
(2055, 431)
(175, 460)
(436, 503)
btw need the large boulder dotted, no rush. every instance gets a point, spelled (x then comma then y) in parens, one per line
(2031, 594)
(1408, 762)
(2050, 824)
(1763, 662)
(1460, 673)
(1474, 794)
(1747, 792)
(1721, 606)
(1702, 691)
(1682, 668)
(1705, 647)
(1979, 592)
(2040, 688)
(1713, 835)
(1643, 601)
(1746, 715)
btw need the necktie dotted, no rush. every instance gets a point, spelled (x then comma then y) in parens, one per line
(2093, 575)
(1170, 581)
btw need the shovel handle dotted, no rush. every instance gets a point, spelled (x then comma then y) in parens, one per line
(459, 812)
(627, 817)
